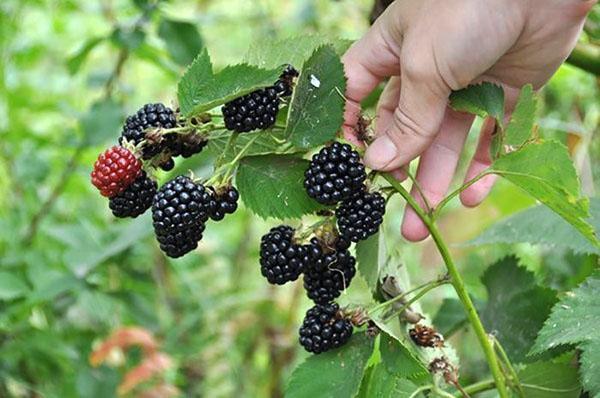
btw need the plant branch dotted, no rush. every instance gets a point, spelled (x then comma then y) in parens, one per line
(511, 370)
(475, 388)
(459, 287)
(456, 192)
(586, 56)
(429, 285)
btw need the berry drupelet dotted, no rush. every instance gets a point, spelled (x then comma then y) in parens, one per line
(360, 216)
(225, 202)
(335, 173)
(149, 116)
(135, 199)
(282, 260)
(180, 211)
(115, 169)
(324, 328)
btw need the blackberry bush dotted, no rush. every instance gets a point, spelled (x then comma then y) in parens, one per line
(282, 260)
(115, 169)
(360, 216)
(335, 173)
(225, 202)
(179, 211)
(324, 329)
(135, 199)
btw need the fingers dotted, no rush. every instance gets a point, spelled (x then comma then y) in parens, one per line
(436, 169)
(476, 193)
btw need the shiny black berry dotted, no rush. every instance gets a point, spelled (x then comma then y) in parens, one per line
(285, 84)
(324, 328)
(282, 260)
(254, 111)
(335, 173)
(149, 116)
(135, 199)
(360, 216)
(329, 272)
(168, 164)
(225, 202)
(180, 211)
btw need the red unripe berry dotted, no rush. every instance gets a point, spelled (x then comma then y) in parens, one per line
(115, 170)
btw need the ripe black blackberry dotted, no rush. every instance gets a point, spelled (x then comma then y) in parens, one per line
(180, 210)
(329, 271)
(324, 328)
(360, 216)
(285, 85)
(225, 202)
(257, 110)
(185, 145)
(335, 173)
(135, 199)
(149, 116)
(282, 260)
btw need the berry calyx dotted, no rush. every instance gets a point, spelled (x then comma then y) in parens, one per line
(135, 199)
(282, 260)
(324, 328)
(335, 173)
(115, 169)
(225, 202)
(426, 336)
(180, 210)
(254, 111)
(360, 216)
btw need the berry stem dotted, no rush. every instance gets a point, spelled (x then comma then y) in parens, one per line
(459, 287)
(511, 370)
(417, 297)
(475, 388)
(429, 285)
(417, 186)
(453, 194)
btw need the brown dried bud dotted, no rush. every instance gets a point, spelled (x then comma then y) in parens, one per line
(426, 336)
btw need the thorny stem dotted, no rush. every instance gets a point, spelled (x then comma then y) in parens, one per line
(459, 287)
(429, 285)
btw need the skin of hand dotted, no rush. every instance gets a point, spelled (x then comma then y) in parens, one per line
(430, 47)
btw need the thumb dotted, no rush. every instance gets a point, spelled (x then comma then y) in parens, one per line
(418, 116)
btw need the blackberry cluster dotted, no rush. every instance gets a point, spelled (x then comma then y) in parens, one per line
(360, 216)
(329, 272)
(149, 116)
(225, 202)
(135, 199)
(282, 260)
(258, 109)
(180, 211)
(335, 173)
(324, 328)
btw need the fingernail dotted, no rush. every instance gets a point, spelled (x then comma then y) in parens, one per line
(380, 153)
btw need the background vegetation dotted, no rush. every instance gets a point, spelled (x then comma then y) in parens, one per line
(71, 274)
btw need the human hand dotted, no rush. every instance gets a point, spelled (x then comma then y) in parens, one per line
(432, 47)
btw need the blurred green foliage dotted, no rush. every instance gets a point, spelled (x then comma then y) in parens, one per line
(70, 273)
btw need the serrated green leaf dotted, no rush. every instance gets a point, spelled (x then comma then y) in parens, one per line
(383, 384)
(337, 372)
(398, 359)
(102, 122)
(76, 60)
(574, 319)
(521, 122)
(540, 225)
(590, 367)
(450, 316)
(517, 307)
(272, 186)
(263, 145)
(368, 259)
(269, 53)
(484, 99)
(12, 286)
(317, 108)
(549, 380)
(545, 171)
(183, 41)
(200, 89)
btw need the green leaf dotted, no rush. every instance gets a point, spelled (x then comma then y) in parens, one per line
(336, 373)
(450, 316)
(545, 171)
(272, 186)
(484, 99)
(200, 89)
(549, 380)
(128, 39)
(540, 225)
(399, 360)
(517, 307)
(383, 384)
(368, 258)
(269, 53)
(76, 60)
(265, 144)
(590, 367)
(521, 122)
(574, 319)
(102, 122)
(182, 39)
(317, 108)
(12, 286)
